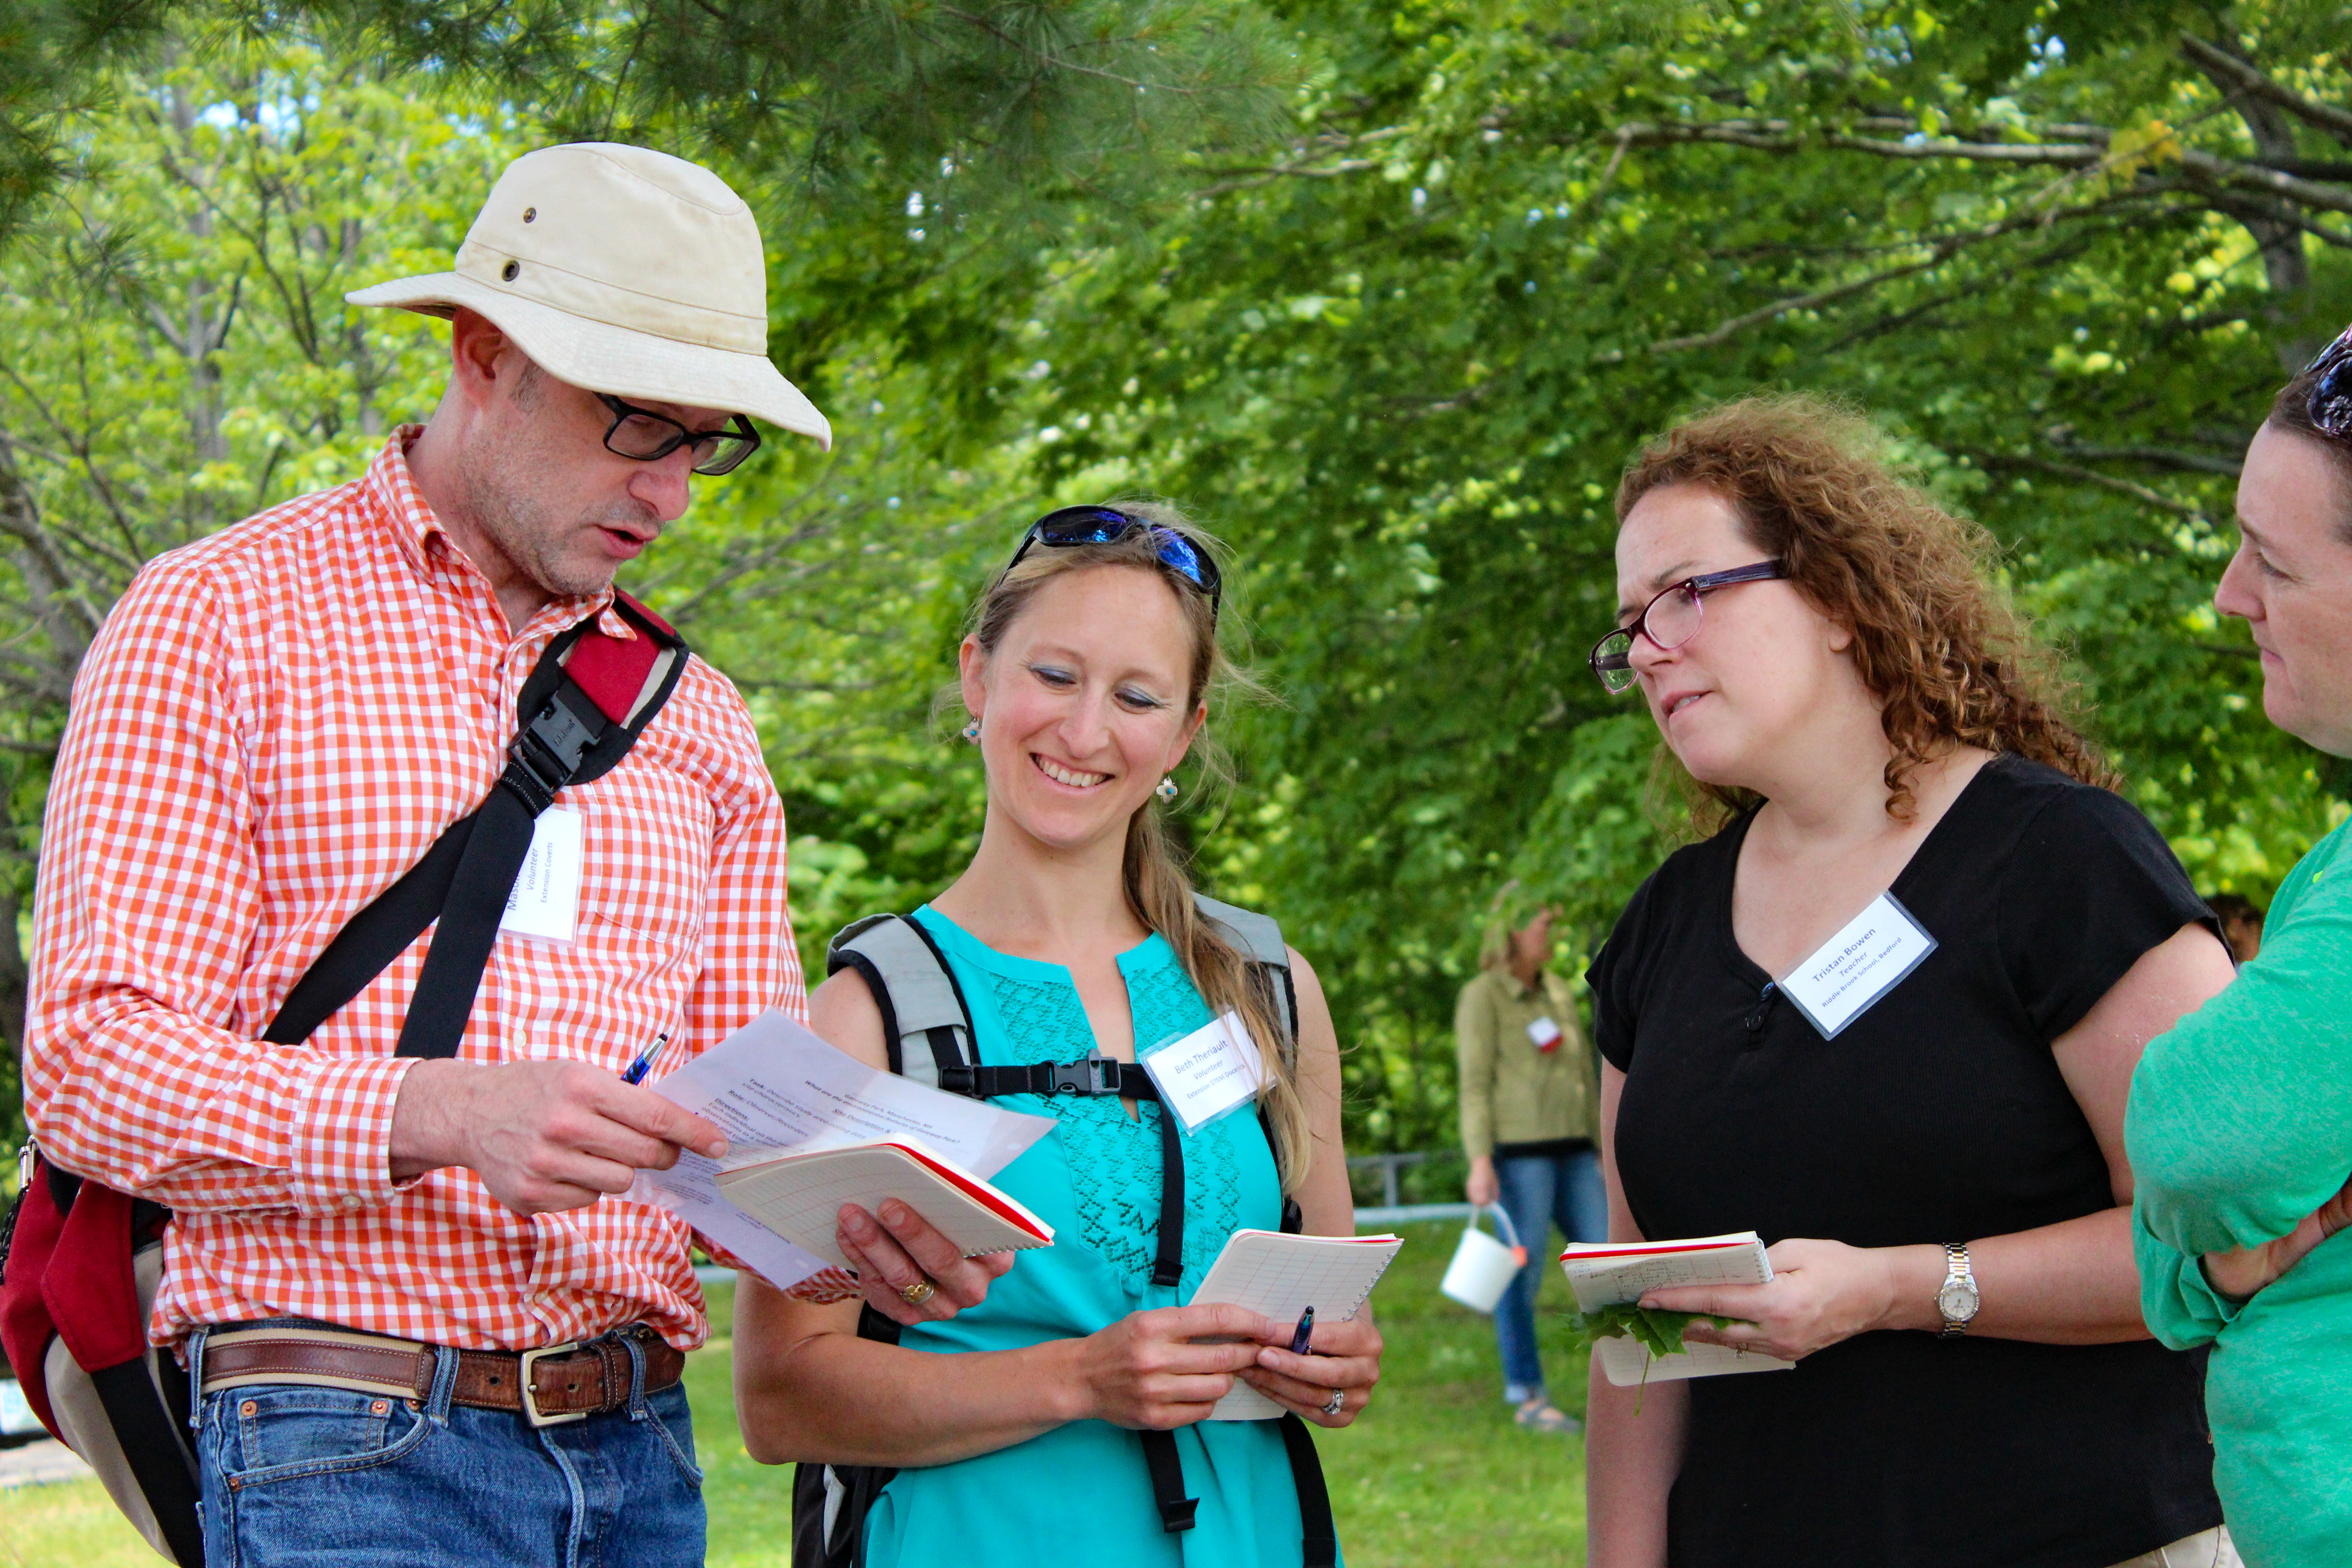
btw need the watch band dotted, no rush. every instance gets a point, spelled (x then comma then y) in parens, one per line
(1957, 1271)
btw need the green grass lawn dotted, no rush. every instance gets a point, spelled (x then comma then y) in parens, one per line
(1434, 1470)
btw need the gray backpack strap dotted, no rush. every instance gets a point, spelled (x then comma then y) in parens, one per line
(1258, 938)
(924, 1020)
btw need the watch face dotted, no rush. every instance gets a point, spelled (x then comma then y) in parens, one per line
(1958, 1300)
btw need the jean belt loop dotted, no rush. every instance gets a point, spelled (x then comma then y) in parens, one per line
(445, 1385)
(636, 1350)
(196, 1378)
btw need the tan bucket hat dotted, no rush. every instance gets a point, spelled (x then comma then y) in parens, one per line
(625, 271)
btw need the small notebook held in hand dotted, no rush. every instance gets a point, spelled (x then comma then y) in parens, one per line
(1611, 1273)
(1281, 1276)
(799, 1197)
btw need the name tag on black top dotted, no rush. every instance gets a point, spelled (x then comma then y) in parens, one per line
(1866, 960)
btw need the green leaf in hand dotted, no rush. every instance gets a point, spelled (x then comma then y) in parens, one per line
(1655, 1329)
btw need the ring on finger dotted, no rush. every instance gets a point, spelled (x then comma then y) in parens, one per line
(921, 1291)
(1331, 1406)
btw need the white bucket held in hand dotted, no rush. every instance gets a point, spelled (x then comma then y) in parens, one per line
(1484, 1268)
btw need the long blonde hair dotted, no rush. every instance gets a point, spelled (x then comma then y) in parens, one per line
(1158, 889)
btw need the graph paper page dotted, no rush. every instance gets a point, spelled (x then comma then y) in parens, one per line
(1282, 1276)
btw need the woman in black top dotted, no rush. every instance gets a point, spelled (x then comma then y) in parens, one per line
(1818, 648)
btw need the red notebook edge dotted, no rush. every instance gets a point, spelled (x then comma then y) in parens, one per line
(1003, 1205)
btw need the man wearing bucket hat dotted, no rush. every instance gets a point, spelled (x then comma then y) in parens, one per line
(421, 1319)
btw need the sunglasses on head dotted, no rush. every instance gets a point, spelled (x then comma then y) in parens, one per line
(1077, 525)
(2331, 394)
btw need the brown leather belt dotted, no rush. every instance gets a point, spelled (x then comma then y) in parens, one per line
(567, 1381)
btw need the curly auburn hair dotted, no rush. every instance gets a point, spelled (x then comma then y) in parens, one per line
(1814, 489)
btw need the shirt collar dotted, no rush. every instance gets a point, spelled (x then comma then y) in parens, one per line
(1511, 980)
(389, 494)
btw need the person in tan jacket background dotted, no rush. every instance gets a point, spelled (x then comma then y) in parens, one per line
(1528, 1101)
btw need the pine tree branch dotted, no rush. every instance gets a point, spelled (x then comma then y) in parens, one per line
(1304, 164)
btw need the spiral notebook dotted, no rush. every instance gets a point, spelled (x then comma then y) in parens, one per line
(1282, 1275)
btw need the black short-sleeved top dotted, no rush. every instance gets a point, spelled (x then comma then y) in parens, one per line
(1936, 1115)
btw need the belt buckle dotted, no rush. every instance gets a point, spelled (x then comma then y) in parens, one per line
(530, 1411)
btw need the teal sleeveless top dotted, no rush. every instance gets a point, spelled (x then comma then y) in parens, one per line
(1081, 1491)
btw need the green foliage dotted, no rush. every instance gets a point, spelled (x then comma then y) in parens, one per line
(1398, 355)
(1403, 364)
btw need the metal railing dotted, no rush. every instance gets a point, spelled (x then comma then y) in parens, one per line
(1391, 1210)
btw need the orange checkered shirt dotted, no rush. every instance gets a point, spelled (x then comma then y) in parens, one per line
(273, 726)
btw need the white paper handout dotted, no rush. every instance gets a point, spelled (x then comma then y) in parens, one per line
(1610, 1273)
(1208, 1072)
(771, 1085)
(1867, 958)
(545, 901)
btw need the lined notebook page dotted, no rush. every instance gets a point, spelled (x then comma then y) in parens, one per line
(799, 1197)
(1282, 1276)
(1606, 1274)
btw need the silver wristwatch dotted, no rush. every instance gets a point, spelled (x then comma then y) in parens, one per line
(1958, 1299)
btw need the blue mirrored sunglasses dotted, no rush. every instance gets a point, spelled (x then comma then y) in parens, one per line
(1075, 525)
(2331, 394)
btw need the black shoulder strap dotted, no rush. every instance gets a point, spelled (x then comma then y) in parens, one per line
(586, 702)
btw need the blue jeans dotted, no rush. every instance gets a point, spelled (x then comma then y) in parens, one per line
(1539, 1192)
(298, 1476)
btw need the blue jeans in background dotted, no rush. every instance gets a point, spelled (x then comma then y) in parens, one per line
(1539, 1190)
(305, 1477)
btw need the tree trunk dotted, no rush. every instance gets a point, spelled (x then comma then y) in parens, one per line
(2284, 263)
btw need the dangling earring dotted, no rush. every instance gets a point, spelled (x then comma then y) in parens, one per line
(1166, 790)
(971, 732)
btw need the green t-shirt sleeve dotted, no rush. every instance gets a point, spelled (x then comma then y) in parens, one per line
(2182, 1309)
(2238, 1124)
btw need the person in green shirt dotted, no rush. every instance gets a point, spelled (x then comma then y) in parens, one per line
(1528, 1099)
(2239, 1127)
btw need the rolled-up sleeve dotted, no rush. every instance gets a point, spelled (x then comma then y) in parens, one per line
(146, 907)
(2236, 1127)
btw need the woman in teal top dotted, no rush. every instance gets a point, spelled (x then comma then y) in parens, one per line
(1011, 1417)
(2240, 1126)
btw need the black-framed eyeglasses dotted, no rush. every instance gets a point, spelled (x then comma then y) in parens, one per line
(1075, 525)
(2331, 394)
(1669, 620)
(647, 436)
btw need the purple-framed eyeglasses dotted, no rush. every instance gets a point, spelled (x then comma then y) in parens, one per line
(1669, 620)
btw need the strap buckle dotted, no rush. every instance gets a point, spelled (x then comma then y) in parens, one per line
(546, 754)
(1094, 1074)
(529, 1389)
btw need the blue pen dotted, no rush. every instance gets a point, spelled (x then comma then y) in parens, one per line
(644, 1064)
(1304, 1333)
